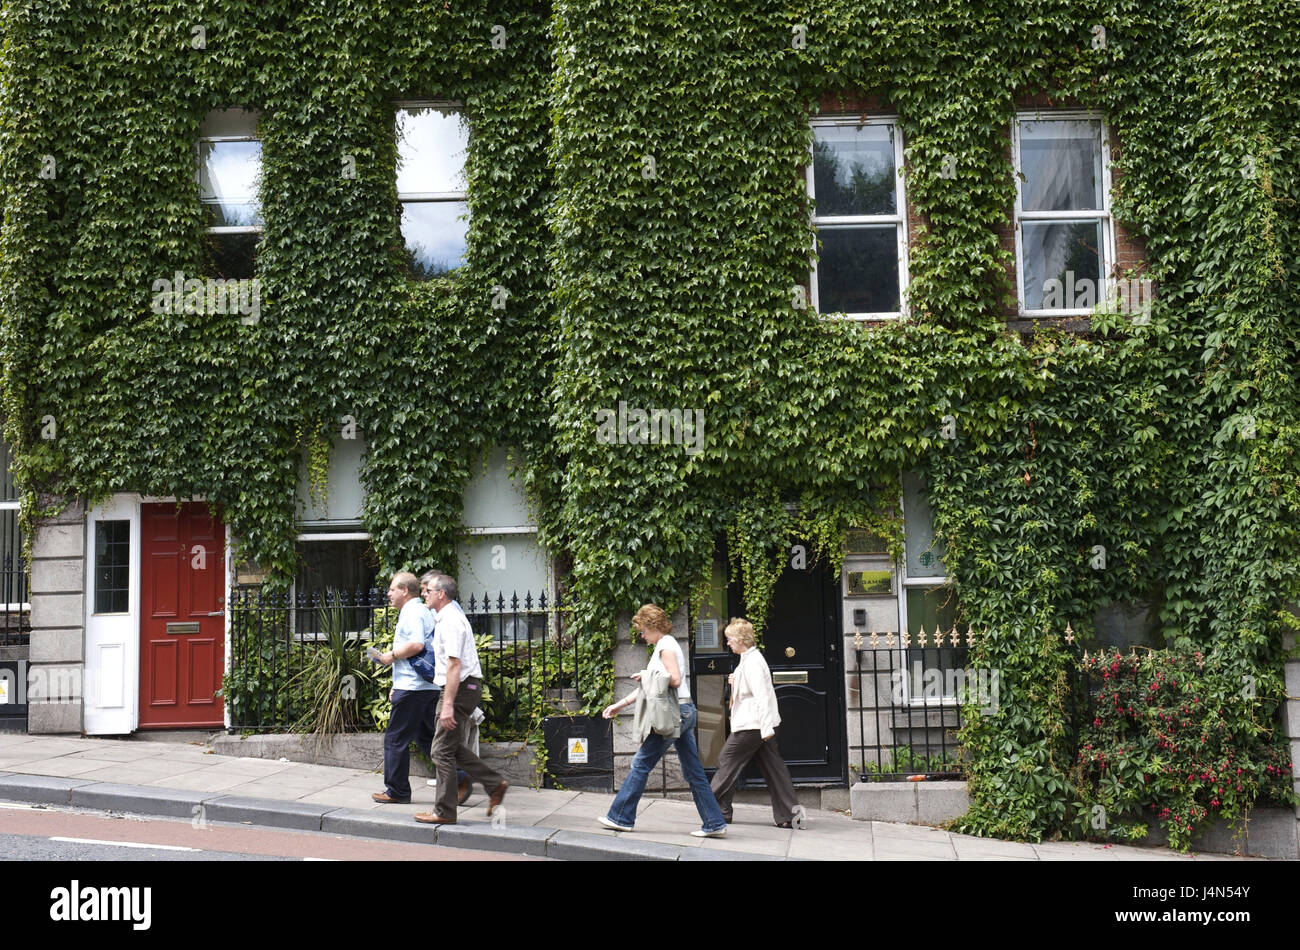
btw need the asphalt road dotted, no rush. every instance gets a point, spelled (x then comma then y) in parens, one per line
(32, 833)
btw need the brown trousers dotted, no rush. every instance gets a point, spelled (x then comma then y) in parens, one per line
(449, 751)
(736, 753)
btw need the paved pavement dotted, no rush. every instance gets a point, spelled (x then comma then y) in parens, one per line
(188, 780)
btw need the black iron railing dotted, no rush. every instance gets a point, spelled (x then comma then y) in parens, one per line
(529, 662)
(908, 707)
(15, 611)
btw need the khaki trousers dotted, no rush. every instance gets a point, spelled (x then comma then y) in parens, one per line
(449, 751)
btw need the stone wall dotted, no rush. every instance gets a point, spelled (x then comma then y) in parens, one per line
(56, 674)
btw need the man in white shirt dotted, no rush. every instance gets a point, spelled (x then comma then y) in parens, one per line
(414, 713)
(461, 680)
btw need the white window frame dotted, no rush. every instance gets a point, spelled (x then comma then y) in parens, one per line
(899, 218)
(1107, 250)
(309, 532)
(428, 197)
(198, 177)
(905, 584)
(24, 606)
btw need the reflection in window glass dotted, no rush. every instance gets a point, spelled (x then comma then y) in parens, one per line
(432, 142)
(1061, 164)
(435, 234)
(1062, 264)
(855, 189)
(228, 173)
(933, 670)
(924, 553)
(112, 567)
(1062, 218)
(853, 170)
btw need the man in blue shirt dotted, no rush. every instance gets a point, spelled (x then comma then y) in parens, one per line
(415, 715)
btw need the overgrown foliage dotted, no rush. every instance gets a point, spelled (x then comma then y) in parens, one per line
(1171, 445)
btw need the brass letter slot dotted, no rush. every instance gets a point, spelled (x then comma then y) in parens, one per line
(192, 627)
(799, 676)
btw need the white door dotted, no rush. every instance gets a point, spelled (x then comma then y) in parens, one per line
(112, 617)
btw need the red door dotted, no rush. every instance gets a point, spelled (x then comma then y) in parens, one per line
(182, 618)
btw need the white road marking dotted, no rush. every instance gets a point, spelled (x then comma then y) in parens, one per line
(125, 844)
(320, 859)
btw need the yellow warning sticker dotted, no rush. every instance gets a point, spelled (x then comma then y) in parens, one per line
(577, 752)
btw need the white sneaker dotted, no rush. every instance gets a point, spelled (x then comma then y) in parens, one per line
(720, 833)
(609, 824)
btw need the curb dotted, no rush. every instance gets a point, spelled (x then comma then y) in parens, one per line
(299, 816)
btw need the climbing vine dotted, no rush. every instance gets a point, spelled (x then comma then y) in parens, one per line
(636, 182)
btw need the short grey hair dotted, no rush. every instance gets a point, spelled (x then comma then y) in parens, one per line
(447, 584)
(428, 577)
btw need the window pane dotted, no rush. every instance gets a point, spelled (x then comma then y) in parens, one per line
(1063, 266)
(501, 565)
(434, 232)
(431, 145)
(1061, 162)
(924, 553)
(231, 215)
(112, 567)
(231, 256)
(7, 490)
(853, 170)
(857, 270)
(336, 565)
(228, 173)
(936, 672)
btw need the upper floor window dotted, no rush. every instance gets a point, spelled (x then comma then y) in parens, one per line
(1064, 237)
(432, 139)
(230, 166)
(855, 184)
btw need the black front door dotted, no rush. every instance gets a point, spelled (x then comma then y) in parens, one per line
(803, 646)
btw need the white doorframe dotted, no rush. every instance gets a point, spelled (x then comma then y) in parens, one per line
(112, 640)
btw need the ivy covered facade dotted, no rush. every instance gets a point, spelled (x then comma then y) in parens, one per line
(639, 230)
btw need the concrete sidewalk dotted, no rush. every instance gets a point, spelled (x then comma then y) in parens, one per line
(187, 780)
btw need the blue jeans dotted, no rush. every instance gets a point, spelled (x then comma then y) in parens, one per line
(623, 811)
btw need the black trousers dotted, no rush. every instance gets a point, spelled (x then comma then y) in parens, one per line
(736, 753)
(414, 718)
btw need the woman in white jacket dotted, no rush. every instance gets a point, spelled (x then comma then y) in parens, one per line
(754, 719)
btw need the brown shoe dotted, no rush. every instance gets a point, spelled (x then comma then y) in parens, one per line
(429, 818)
(462, 792)
(385, 799)
(498, 793)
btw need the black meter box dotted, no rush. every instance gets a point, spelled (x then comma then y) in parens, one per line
(579, 753)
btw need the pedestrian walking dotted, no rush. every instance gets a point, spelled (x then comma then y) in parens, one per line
(667, 659)
(414, 715)
(461, 679)
(754, 719)
(426, 594)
